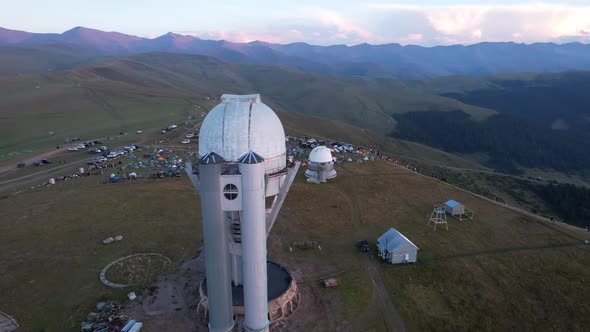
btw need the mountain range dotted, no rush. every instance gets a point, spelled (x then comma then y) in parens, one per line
(407, 62)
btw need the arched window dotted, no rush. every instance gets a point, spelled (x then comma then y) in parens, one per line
(230, 191)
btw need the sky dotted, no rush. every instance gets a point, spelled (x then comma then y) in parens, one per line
(328, 22)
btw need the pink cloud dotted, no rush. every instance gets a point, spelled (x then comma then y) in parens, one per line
(471, 23)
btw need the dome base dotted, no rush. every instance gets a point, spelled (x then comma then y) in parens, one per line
(283, 294)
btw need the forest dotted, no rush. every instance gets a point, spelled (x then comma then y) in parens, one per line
(510, 141)
(570, 202)
(542, 121)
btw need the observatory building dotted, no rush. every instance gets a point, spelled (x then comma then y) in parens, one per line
(320, 166)
(242, 179)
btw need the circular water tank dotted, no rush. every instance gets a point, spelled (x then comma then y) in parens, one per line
(241, 123)
(320, 154)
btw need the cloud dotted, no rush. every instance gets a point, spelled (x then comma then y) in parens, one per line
(344, 25)
(239, 36)
(378, 23)
(312, 25)
(473, 23)
(414, 37)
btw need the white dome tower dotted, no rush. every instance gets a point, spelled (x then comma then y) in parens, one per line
(241, 124)
(242, 162)
(320, 166)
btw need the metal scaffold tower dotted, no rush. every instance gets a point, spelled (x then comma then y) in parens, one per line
(438, 216)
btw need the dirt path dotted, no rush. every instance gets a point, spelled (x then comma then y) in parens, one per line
(30, 159)
(391, 316)
(32, 176)
(393, 320)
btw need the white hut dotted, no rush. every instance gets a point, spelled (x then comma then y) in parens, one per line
(395, 248)
(321, 165)
(454, 208)
(458, 210)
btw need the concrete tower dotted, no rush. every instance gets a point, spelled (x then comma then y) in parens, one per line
(243, 180)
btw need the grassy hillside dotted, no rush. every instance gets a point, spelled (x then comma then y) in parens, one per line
(487, 275)
(365, 102)
(62, 103)
(15, 60)
(139, 92)
(461, 282)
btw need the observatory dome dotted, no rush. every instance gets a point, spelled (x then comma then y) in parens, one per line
(320, 154)
(242, 123)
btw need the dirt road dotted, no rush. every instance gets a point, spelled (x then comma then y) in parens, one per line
(393, 320)
(30, 159)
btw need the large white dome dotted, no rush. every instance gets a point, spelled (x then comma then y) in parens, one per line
(320, 154)
(241, 123)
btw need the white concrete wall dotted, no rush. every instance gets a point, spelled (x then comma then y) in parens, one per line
(398, 256)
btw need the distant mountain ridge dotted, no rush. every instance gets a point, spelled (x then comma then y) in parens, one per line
(387, 60)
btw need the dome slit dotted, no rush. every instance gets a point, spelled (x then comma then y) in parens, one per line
(249, 125)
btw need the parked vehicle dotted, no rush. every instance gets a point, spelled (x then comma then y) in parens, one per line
(21, 164)
(186, 141)
(363, 245)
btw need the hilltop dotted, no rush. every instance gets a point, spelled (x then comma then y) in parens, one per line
(459, 283)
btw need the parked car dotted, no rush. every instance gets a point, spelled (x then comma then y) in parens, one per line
(186, 141)
(21, 164)
(73, 148)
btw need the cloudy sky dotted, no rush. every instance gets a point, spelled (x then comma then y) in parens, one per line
(434, 22)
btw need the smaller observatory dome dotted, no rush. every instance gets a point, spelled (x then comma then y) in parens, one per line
(320, 154)
(242, 123)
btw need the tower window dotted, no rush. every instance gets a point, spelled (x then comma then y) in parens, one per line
(230, 191)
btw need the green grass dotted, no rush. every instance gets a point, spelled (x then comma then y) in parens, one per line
(495, 277)
(64, 225)
(91, 111)
(52, 251)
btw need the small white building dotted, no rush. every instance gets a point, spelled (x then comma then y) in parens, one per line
(454, 208)
(320, 166)
(458, 210)
(395, 248)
